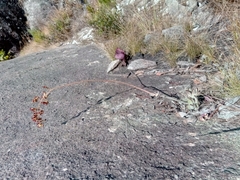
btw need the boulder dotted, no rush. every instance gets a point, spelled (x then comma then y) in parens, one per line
(13, 26)
(180, 9)
(37, 12)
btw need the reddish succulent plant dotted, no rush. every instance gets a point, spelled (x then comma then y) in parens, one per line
(121, 55)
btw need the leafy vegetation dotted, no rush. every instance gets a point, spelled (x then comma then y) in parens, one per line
(4, 56)
(105, 18)
(38, 35)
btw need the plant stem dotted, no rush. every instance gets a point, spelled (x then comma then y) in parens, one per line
(100, 80)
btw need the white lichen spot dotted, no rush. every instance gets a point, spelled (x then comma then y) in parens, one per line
(92, 63)
(112, 129)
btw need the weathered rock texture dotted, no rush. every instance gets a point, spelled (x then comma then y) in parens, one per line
(13, 26)
(103, 130)
(37, 12)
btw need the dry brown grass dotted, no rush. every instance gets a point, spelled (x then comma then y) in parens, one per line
(136, 26)
(151, 22)
(34, 47)
(59, 25)
(230, 66)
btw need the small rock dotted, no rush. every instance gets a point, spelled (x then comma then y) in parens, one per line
(141, 64)
(232, 101)
(226, 111)
(113, 65)
(182, 114)
(185, 64)
(149, 37)
(183, 58)
(174, 32)
(203, 78)
(85, 34)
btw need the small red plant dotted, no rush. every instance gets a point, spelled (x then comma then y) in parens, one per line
(38, 112)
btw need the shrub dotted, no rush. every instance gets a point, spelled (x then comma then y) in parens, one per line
(38, 36)
(105, 19)
(4, 56)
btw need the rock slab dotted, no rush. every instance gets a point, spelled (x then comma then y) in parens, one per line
(101, 130)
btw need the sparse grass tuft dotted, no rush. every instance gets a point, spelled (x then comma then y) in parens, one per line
(60, 26)
(193, 48)
(172, 49)
(38, 36)
(134, 29)
(232, 85)
(231, 70)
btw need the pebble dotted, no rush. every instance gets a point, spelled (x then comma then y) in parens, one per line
(185, 64)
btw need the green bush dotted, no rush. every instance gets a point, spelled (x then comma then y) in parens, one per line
(105, 19)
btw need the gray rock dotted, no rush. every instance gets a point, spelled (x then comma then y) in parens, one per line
(141, 64)
(174, 32)
(231, 101)
(203, 78)
(172, 7)
(103, 130)
(185, 64)
(203, 18)
(179, 9)
(113, 65)
(227, 114)
(37, 11)
(86, 35)
(229, 110)
(124, 5)
(150, 36)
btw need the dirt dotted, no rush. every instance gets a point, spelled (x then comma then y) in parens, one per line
(99, 130)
